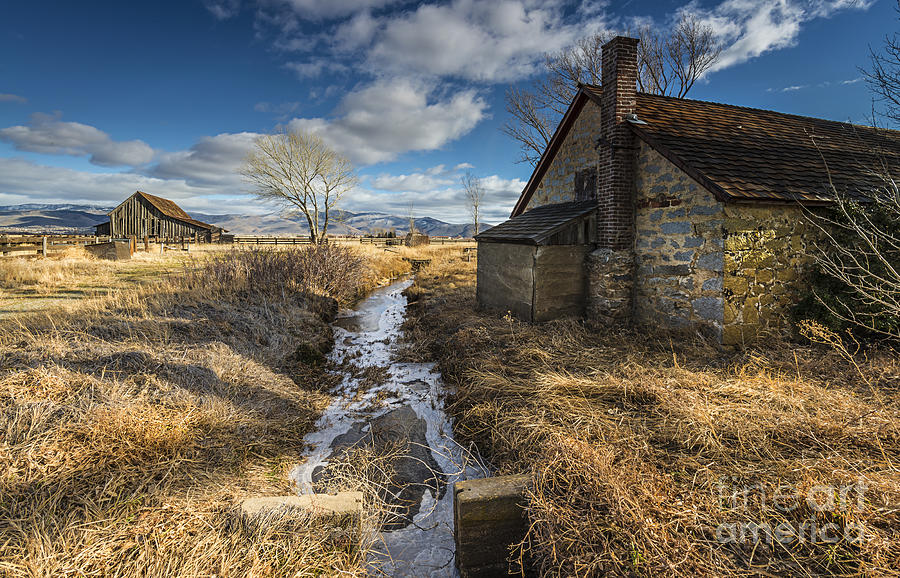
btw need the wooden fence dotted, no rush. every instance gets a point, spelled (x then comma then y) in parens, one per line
(304, 240)
(22, 245)
(16, 245)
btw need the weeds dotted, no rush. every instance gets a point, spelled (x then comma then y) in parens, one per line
(653, 454)
(132, 424)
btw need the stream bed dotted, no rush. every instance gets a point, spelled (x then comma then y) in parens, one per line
(402, 408)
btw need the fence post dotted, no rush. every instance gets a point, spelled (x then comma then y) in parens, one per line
(146, 244)
(44, 246)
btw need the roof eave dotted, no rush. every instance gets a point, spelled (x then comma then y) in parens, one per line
(717, 190)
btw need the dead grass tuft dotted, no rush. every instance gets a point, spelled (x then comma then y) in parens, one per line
(647, 449)
(132, 424)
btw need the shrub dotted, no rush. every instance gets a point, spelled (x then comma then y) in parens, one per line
(856, 282)
(330, 270)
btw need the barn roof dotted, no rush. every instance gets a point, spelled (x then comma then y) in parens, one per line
(748, 154)
(538, 224)
(168, 208)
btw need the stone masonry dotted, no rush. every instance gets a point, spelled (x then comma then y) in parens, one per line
(766, 257)
(678, 248)
(576, 155)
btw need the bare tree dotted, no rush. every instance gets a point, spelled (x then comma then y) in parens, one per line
(858, 255)
(411, 215)
(883, 77)
(474, 190)
(299, 171)
(667, 64)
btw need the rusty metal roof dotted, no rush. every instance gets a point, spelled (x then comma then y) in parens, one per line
(748, 154)
(537, 225)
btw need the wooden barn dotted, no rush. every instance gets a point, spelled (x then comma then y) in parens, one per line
(144, 215)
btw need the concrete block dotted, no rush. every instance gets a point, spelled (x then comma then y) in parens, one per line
(321, 505)
(489, 517)
(112, 250)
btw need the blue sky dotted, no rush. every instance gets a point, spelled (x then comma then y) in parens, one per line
(98, 99)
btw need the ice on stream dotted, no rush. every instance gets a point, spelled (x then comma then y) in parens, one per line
(368, 336)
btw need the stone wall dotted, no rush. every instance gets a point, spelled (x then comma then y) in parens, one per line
(678, 248)
(576, 156)
(765, 265)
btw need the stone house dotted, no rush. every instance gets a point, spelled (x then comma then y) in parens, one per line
(700, 208)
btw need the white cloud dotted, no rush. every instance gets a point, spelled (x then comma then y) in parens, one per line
(212, 162)
(749, 28)
(391, 117)
(223, 9)
(793, 88)
(6, 97)
(23, 181)
(481, 40)
(851, 81)
(357, 32)
(434, 192)
(318, 10)
(415, 182)
(315, 67)
(45, 183)
(50, 135)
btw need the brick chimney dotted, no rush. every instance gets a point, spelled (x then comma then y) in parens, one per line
(615, 148)
(611, 265)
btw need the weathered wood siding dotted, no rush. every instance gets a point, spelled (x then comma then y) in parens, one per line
(560, 282)
(137, 217)
(505, 279)
(534, 283)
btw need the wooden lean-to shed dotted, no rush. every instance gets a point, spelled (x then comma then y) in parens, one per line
(533, 265)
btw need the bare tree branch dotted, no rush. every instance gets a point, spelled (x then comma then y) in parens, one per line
(667, 64)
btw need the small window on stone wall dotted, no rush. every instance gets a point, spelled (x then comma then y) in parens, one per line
(585, 184)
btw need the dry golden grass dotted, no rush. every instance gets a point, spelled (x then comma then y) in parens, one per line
(132, 424)
(636, 442)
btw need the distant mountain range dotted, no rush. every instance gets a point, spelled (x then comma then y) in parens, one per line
(61, 219)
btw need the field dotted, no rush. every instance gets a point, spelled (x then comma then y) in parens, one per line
(138, 412)
(657, 454)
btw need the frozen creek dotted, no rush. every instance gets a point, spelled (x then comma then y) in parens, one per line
(407, 405)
